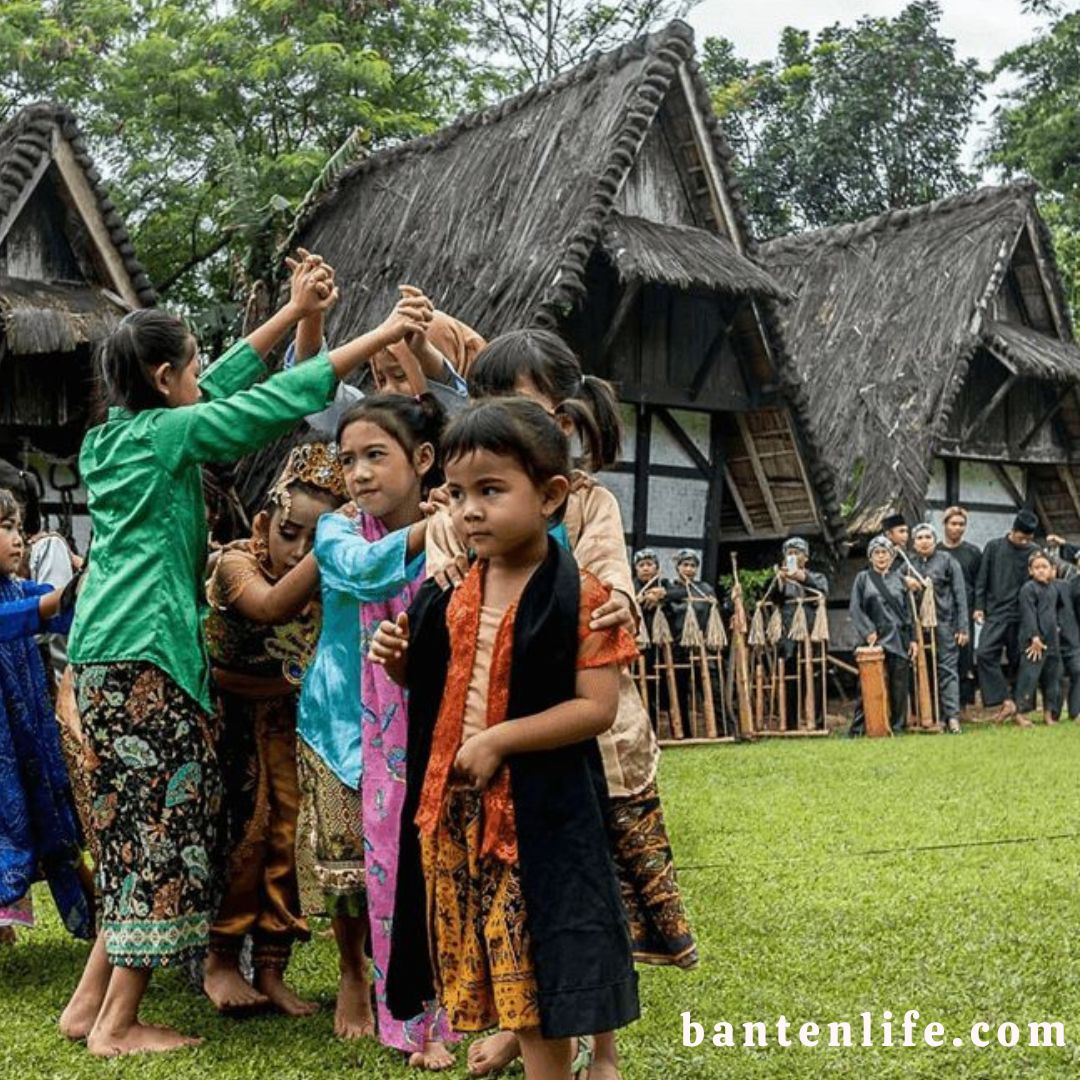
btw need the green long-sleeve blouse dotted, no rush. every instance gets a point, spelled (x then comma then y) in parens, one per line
(143, 597)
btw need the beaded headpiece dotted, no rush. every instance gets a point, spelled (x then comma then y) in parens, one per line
(313, 463)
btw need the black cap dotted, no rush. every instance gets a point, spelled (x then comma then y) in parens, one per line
(892, 521)
(1026, 522)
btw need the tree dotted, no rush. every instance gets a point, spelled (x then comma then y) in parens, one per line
(211, 121)
(860, 120)
(1036, 132)
(542, 38)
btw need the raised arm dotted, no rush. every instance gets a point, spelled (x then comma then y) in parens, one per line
(369, 570)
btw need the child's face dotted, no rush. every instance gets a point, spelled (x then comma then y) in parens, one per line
(380, 477)
(496, 507)
(646, 570)
(389, 375)
(289, 537)
(1041, 570)
(11, 545)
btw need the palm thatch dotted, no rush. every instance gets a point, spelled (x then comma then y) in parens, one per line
(42, 318)
(27, 146)
(684, 257)
(889, 313)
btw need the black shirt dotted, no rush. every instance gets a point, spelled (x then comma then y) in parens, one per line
(1002, 572)
(969, 557)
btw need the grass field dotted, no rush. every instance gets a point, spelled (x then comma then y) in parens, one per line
(825, 878)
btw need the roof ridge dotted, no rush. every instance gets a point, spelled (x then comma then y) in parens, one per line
(901, 217)
(28, 137)
(638, 49)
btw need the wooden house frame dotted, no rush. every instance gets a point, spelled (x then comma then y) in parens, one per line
(68, 273)
(601, 205)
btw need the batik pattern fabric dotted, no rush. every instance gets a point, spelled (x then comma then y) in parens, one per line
(157, 798)
(659, 927)
(257, 669)
(382, 790)
(39, 832)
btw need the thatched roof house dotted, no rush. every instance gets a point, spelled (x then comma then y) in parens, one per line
(602, 205)
(937, 354)
(68, 272)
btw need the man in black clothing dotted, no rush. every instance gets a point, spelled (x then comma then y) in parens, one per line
(955, 522)
(1002, 572)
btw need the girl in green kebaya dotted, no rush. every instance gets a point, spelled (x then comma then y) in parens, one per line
(137, 648)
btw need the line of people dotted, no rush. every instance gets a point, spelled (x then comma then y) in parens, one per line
(1004, 620)
(248, 763)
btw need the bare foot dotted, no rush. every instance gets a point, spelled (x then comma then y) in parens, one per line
(269, 981)
(137, 1039)
(7, 935)
(492, 1054)
(353, 1018)
(604, 1070)
(1023, 721)
(227, 988)
(77, 1020)
(434, 1057)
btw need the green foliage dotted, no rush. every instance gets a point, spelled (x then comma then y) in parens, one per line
(1037, 132)
(542, 38)
(755, 583)
(862, 119)
(823, 877)
(211, 121)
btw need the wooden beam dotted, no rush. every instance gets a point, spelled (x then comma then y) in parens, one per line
(1060, 321)
(626, 302)
(1046, 417)
(714, 500)
(716, 346)
(85, 202)
(1069, 481)
(759, 472)
(796, 449)
(642, 451)
(733, 490)
(16, 208)
(684, 441)
(1006, 482)
(989, 408)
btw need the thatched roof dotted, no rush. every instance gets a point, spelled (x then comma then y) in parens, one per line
(43, 318)
(684, 257)
(887, 317)
(27, 145)
(1032, 353)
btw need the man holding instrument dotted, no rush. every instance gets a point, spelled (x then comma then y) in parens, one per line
(1002, 572)
(944, 576)
(798, 584)
(881, 615)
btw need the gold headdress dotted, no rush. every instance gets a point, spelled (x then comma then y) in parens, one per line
(313, 463)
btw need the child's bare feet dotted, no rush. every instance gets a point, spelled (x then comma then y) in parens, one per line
(492, 1054)
(269, 981)
(137, 1039)
(434, 1057)
(227, 988)
(353, 1018)
(77, 1020)
(7, 935)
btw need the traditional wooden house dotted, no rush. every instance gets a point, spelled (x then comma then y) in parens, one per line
(68, 273)
(602, 205)
(936, 350)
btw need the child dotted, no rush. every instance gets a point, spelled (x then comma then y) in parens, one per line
(39, 834)
(880, 613)
(260, 633)
(352, 720)
(1040, 643)
(539, 365)
(142, 680)
(509, 688)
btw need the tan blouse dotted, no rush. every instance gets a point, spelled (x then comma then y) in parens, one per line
(477, 695)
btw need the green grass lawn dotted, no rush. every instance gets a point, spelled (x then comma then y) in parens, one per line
(825, 878)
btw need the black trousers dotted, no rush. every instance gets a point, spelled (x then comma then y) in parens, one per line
(1044, 674)
(1070, 660)
(998, 636)
(969, 681)
(897, 678)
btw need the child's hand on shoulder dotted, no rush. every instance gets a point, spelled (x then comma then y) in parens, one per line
(479, 758)
(617, 611)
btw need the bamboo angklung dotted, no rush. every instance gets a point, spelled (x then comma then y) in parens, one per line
(739, 656)
(661, 635)
(757, 646)
(929, 620)
(820, 633)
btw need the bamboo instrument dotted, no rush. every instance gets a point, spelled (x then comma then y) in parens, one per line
(929, 620)
(820, 633)
(739, 655)
(804, 669)
(661, 635)
(759, 691)
(782, 699)
(924, 705)
(707, 694)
